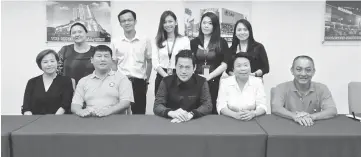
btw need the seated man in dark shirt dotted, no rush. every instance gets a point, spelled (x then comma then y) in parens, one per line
(183, 96)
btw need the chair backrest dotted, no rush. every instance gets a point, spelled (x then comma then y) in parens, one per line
(272, 93)
(354, 97)
(273, 89)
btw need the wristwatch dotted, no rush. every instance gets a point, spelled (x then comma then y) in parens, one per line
(192, 113)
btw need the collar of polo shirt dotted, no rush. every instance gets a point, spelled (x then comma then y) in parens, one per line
(312, 87)
(110, 73)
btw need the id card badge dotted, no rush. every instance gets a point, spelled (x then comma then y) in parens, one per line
(206, 70)
(170, 71)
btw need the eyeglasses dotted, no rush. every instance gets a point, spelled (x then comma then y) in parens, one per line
(128, 20)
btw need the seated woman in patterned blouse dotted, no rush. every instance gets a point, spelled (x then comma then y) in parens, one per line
(242, 95)
(48, 93)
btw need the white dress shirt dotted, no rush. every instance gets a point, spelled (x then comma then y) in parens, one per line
(160, 56)
(251, 97)
(132, 55)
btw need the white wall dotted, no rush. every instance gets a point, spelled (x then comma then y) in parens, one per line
(286, 29)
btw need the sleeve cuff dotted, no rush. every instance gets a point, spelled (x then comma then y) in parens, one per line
(166, 113)
(155, 67)
(263, 107)
(196, 114)
(219, 110)
(23, 111)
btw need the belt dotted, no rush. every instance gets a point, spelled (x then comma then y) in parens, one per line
(132, 79)
(165, 69)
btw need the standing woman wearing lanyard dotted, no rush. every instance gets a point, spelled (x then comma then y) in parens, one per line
(166, 46)
(211, 52)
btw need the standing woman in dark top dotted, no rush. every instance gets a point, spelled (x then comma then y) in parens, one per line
(75, 58)
(48, 93)
(243, 41)
(211, 53)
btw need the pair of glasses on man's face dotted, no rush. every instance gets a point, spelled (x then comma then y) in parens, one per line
(127, 20)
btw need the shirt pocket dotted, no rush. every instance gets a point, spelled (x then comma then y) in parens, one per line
(315, 106)
(119, 56)
(111, 87)
(139, 54)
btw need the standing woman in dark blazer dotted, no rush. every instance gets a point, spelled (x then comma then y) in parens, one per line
(211, 52)
(243, 41)
(75, 58)
(48, 93)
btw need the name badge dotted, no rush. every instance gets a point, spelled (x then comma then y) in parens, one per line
(206, 70)
(170, 71)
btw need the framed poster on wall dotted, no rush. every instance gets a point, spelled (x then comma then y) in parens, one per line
(343, 21)
(95, 15)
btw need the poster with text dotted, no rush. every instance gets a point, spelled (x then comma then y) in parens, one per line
(61, 15)
(343, 21)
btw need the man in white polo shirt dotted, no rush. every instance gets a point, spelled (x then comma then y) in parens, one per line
(104, 92)
(132, 55)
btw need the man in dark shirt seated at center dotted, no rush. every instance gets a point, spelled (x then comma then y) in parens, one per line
(183, 96)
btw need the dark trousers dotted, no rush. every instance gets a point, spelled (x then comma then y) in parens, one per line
(139, 93)
(213, 89)
(158, 79)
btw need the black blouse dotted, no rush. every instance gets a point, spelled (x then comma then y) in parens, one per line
(73, 64)
(39, 101)
(212, 58)
(259, 59)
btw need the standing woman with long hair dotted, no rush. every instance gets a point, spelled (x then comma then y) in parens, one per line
(243, 41)
(166, 46)
(211, 53)
(75, 58)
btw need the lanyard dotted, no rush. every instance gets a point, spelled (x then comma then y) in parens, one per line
(205, 51)
(240, 50)
(171, 51)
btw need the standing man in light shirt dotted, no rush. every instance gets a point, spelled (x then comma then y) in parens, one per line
(133, 57)
(104, 92)
(303, 100)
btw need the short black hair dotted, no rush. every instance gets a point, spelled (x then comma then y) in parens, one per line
(127, 11)
(238, 55)
(303, 57)
(78, 24)
(43, 53)
(103, 48)
(186, 54)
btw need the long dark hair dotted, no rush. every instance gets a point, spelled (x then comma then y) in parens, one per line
(162, 34)
(235, 40)
(215, 41)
